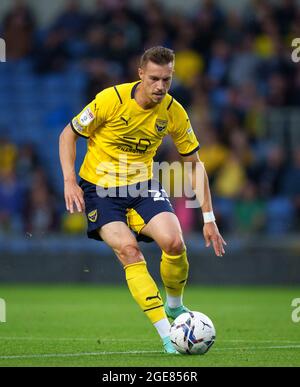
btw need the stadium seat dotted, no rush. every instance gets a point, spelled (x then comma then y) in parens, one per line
(280, 215)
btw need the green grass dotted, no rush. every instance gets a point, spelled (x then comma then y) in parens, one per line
(102, 326)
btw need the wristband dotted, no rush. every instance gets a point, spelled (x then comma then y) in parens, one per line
(208, 217)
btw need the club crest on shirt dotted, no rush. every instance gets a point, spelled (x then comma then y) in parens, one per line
(161, 125)
(93, 215)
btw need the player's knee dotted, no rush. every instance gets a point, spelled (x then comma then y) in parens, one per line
(173, 245)
(129, 254)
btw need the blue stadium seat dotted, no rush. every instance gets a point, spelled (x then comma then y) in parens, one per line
(53, 82)
(280, 215)
(27, 83)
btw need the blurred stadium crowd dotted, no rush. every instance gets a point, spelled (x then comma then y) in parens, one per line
(232, 70)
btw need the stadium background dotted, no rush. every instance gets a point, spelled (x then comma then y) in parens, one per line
(234, 75)
(67, 303)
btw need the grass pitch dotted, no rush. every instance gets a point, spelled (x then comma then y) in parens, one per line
(102, 326)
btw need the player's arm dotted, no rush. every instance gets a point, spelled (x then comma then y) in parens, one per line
(200, 185)
(67, 155)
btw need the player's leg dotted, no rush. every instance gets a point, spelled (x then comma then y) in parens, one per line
(165, 229)
(140, 283)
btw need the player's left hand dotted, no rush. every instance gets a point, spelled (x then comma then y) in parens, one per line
(212, 235)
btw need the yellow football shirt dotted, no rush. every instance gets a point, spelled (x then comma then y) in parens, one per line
(123, 137)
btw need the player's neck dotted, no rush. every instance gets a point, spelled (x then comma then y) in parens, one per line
(141, 98)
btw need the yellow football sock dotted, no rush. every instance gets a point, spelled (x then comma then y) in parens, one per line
(174, 272)
(144, 291)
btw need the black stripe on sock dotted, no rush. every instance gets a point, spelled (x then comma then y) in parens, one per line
(155, 307)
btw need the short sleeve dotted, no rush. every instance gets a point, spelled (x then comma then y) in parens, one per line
(92, 116)
(182, 132)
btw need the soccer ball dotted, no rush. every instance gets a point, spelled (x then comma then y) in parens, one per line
(192, 333)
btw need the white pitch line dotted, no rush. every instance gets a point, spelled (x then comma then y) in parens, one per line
(56, 355)
(258, 341)
(95, 339)
(46, 355)
(257, 348)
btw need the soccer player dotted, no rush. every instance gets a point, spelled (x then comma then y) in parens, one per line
(124, 126)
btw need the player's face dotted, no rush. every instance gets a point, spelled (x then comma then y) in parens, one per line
(156, 80)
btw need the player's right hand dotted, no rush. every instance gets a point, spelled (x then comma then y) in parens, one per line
(74, 197)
